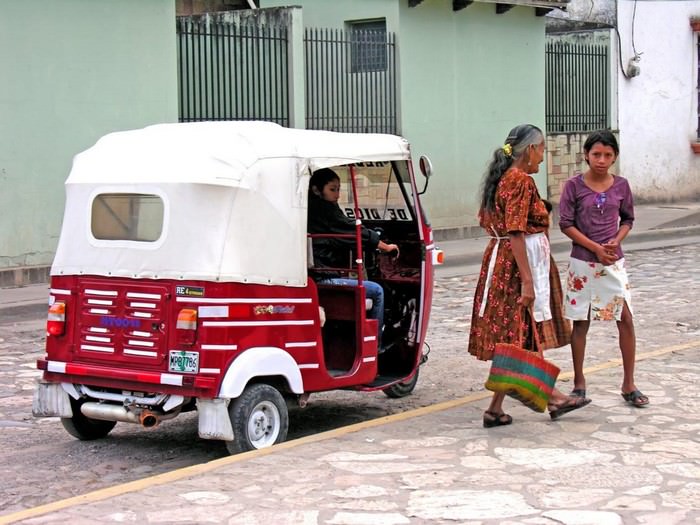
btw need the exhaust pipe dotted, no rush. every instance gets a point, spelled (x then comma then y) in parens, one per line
(107, 412)
(148, 419)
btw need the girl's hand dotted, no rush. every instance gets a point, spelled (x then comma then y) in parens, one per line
(392, 248)
(604, 255)
(527, 294)
(611, 246)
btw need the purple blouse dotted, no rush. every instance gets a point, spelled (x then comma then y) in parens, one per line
(597, 215)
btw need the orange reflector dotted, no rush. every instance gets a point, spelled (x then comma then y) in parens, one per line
(187, 319)
(438, 257)
(186, 326)
(56, 319)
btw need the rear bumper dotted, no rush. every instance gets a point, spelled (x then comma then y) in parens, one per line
(141, 380)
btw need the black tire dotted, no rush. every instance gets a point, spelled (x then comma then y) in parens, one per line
(403, 389)
(83, 427)
(259, 419)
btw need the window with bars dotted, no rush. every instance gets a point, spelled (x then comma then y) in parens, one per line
(368, 46)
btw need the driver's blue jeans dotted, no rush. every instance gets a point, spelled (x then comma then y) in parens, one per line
(373, 291)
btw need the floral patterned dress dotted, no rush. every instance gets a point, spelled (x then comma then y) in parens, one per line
(518, 208)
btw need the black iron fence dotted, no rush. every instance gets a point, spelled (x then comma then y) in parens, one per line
(577, 87)
(351, 80)
(232, 71)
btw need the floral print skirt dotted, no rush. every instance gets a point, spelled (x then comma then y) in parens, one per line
(602, 290)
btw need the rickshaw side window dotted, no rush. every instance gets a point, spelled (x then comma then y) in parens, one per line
(127, 217)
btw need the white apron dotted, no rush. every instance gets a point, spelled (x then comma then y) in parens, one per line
(538, 252)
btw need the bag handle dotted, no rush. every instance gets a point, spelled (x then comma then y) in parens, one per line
(535, 334)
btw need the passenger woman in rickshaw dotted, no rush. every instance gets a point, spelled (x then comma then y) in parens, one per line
(326, 217)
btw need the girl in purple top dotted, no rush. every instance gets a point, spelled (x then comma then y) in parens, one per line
(596, 213)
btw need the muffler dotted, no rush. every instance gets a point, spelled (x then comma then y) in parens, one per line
(148, 419)
(107, 412)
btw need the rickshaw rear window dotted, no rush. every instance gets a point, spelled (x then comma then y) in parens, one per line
(127, 217)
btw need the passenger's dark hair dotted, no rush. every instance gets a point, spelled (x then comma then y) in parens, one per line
(322, 177)
(519, 138)
(604, 137)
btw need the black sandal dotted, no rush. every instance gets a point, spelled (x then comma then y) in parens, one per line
(572, 403)
(578, 392)
(635, 398)
(496, 420)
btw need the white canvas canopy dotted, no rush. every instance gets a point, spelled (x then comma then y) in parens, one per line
(234, 199)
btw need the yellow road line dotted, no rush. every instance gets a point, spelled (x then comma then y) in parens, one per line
(175, 475)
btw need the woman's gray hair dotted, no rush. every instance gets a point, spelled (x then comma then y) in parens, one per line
(517, 141)
(523, 136)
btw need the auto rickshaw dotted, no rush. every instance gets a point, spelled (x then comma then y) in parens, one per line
(181, 280)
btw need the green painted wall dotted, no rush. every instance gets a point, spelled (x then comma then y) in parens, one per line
(467, 78)
(72, 71)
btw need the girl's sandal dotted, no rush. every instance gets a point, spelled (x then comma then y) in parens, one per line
(635, 398)
(572, 403)
(494, 419)
(578, 392)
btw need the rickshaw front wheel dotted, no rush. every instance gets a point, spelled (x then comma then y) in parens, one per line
(259, 419)
(402, 389)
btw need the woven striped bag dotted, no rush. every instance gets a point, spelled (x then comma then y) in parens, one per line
(523, 374)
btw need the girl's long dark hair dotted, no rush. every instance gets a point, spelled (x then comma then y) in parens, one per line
(320, 178)
(519, 138)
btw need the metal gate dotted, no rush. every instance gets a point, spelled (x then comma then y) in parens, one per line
(577, 87)
(229, 70)
(351, 81)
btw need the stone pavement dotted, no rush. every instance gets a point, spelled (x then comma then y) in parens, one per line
(607, 463)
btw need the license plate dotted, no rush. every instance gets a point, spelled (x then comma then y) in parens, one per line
(181, 361)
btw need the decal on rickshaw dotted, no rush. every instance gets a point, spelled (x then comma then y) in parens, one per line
(189, 291)
(392, 214)
(273, 309)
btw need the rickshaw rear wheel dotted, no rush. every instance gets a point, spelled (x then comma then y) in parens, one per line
(259, 419)
(402, 389)
(85, 428)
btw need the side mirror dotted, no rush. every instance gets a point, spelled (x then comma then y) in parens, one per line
(426, 168)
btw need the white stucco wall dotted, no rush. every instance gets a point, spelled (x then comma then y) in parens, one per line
(600, 11)
(658, 113)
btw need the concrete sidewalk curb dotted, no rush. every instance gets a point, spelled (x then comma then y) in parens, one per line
(559, 246)
(15, 299)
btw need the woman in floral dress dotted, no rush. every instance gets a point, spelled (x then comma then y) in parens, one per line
(513, 214)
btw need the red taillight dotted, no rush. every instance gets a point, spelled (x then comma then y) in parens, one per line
(56, 320)
(186, 326)
(438, 257)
